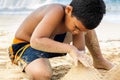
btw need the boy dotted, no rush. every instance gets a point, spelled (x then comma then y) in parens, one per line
(46, 33)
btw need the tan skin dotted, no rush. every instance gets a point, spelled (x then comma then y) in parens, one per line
(40, 27)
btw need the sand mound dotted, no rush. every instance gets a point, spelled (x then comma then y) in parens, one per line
(113, 74)
(82, 73)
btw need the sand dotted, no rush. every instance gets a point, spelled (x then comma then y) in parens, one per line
(63, 67)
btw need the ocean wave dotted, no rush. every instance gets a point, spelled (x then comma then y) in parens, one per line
(26, 6)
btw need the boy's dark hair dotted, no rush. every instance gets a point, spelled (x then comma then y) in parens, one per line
(89, 12)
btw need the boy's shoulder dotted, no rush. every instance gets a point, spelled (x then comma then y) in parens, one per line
(55, 8)
(53, 5)
(45, 9)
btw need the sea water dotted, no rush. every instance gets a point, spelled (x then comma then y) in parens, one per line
(27, 5)
(22, 7)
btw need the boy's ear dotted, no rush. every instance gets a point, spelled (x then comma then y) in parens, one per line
(68, 10)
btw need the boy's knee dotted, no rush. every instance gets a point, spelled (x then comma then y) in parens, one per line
(38, 75)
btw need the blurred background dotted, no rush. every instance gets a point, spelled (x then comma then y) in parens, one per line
(25, 6)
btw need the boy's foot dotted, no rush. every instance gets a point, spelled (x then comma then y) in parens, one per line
(103, 64)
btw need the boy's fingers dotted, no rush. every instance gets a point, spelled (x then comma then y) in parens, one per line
(76, 61)
(84, 61)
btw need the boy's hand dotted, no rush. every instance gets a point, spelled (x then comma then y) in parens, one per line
(79, 56)
(83, 59)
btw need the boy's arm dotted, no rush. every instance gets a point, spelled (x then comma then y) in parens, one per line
(92, 44)
(79, 41)
(40, 38)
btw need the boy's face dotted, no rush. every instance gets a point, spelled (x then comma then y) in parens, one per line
(73, 25)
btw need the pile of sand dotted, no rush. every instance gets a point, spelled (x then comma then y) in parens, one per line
(81, 72)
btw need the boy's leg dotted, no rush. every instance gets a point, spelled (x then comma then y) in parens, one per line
(39, 69)
(94, 48)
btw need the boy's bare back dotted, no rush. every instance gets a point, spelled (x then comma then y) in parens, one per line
(44, 21)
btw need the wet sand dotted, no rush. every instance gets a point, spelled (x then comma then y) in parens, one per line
(108, 34)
